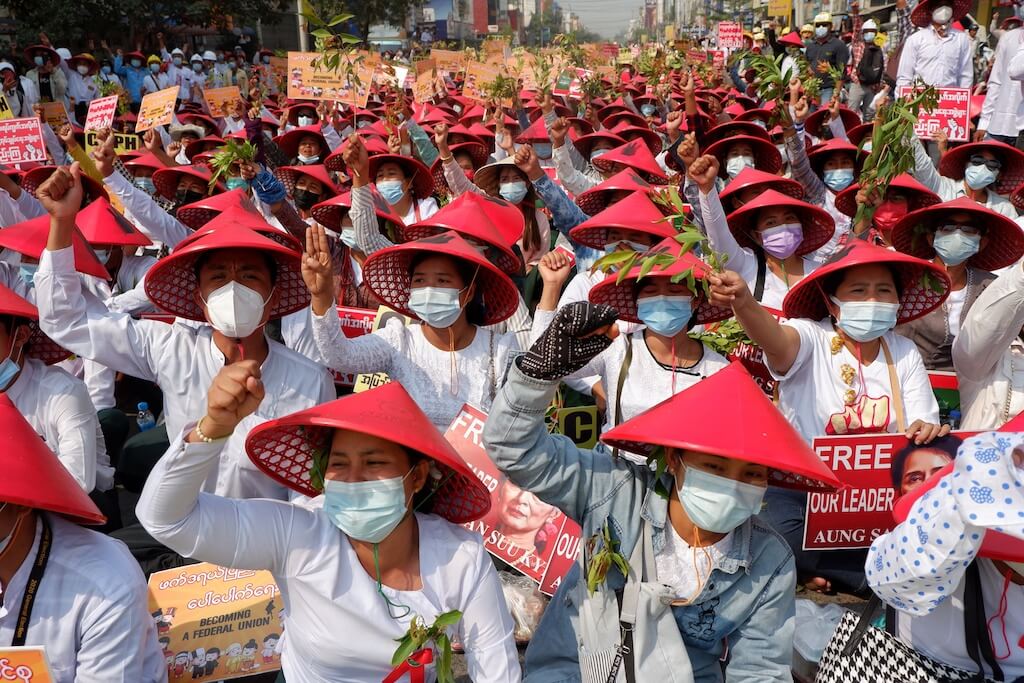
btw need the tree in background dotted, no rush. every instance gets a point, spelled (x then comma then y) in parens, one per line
(366, 13)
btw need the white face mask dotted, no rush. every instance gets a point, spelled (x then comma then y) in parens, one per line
(235, 310)
(734, 165)
(942, 15)
(304, 121)
(82, 69)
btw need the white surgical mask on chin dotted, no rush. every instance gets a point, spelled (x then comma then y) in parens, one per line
(235, 310)
(734, 165)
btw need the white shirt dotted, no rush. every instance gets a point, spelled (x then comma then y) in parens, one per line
(988, 354)
(685, 568)
(945, 62)
(423, 369)
(80, 88)
(181, 359)
(427, 208)
(154, 82)
(330, 596)
(90, 612)
(147, 215)
(954, 304)
(949, 189)
(59, 409)
(812, 392)
(1003, 110)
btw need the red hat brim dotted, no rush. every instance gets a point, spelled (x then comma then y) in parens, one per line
(34, 477)
(766, 156)
(422, 181)
(637, 213)
(166, 179)
(477, 152)
(922, 14)
(627, 132)
(919, 195)
(728, 415)
(288, 448)
(99, 223)
(39, 345)
(597, 198)
(819, 154)
(585, 143)
(386, 273)
(197, 214)
(172, 283)
(815, 121)
(1011, 175)
(818, 225)
(289, 142)
(34, 178)
(634, 154)
(753, 178)
(807, 299)
(289, 175)
(30, 237)
(1004, 239)
(331, 212)
(735, 128)
(147, 160)
(52, 55)
(207, 144)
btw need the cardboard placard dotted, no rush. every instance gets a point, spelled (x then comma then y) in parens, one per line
(569, 82)
(717, 58)
(5, 108)
(370, 380)
(853, 517)
(21, 140)
(535, 538)
(216, 623)
(157, 109)
(478, 75)
(780, 8)
(55, 114)
(625, 56)
(123, 142)
(952, 114)
(101, 113)
(24, 665)
(449, 61)
(424, 87)
(581, 424)
(222, 101)
(305, 82)
(730, 35)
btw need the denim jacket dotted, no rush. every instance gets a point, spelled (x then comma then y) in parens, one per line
(746, 608)
(566, 215)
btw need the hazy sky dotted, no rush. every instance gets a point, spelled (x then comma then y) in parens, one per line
(606, 17)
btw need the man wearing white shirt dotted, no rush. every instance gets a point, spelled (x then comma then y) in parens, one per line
(937, 54)
(1002, 114)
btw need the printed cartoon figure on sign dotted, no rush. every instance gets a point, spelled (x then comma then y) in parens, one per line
(233, 664)
(249, 662)
(212, 659)
(198, 663)
(181, 662)
(270, 648)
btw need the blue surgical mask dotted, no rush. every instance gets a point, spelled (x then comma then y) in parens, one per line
(513, 192)
(348, 237)
(237, 184)
(103, 255)
(543, 150)
(718, 504)
(599, 152)
(956, 247)
(820, 31)
(154, 67)
(145, 184)
(648, 110)
(838, 179)
(391, 190)
(9, 369)
(665, 315)
(106, 70)
(136, 63)
(39, 60)
(979, 177)
(869, 36)
(367, 511)
(27, 271)
(865, 321)
(197, 67)
(436, 306)
(304, 121)
(266, 59)
(177, 61)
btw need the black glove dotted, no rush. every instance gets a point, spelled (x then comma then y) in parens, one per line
(563, 348)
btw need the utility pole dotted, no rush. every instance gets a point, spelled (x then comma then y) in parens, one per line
(301, 20)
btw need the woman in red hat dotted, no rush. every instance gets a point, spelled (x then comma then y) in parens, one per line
(384, 548)
(986, 172)
(903, 195)
(703, 571)
(404, 182)
(307, 185)
(450, 287)
(969, 242)
(953, 567)
(587, 147)
(768, 241)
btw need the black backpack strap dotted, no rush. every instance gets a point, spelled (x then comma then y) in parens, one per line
(863, 624)
(979, 644)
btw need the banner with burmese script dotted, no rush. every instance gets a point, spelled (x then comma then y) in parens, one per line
(216, 623)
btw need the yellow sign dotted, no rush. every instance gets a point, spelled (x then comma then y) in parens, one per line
(157, 109)
(216, 623)
(5, 108)
(780, 8)
(449, 60)
(367, 381)
(222, 101)
(55, 114)
(478, 76)
(306, 82)
(670, 34)
(24, 665)
(123, 142)
(424, 87)
(581, 424)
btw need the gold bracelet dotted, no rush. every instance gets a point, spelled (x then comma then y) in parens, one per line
(445, 160)
(203, 437)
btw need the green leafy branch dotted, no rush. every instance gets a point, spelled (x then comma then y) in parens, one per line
(892, 144)
(503, 87)
(570, 46)
(770, 82)
(604, 553)
(336, 50)
(724, 337)
(544, 71)
(234, 152)
(419, 635)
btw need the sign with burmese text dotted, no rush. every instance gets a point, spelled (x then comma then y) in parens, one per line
(24, 665)
(216, 623)
(520, 529)
(952, 114)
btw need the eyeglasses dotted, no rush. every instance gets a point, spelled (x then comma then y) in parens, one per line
(950, 228)
(993, 164)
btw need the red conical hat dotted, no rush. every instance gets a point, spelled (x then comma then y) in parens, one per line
(636, 212)
(477, 152)
(466, 216)
(481, 131)
(730, 129)
(634, 154)
(203, 120)
(166, 179)
(287, 449)
(330, 213)
(464, 131)
(766, 156)
(386, 273)
(1011, 175)
(729, 415)
(29, 238)
(819, 154)
(751, 177)
(35, 177)
(626, 117)
(172, 283)
(289, 142)
(792, 39)
(922, 14)
(818, 225)
(995, 545)
(537, 132)
(919, 195)
(99, 223)
(197, 214)
(147, 160)
(1017, 198)
(207, 144)
(33, 476)
(628, 131)
(759, 114)
(422, 181)
(621, 295)
(814, 123)
(597, 198)
(807, 299)
(1005, 240)
(237, 215)
(289, 175)
(860, 133)
(39, 346)
(585, 143)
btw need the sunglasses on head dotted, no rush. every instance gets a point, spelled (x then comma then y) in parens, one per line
(993, 164)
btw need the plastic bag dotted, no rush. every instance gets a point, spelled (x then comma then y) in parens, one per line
(815, 625)
(525, 602)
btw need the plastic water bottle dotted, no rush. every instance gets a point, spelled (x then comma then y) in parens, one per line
(145, 419)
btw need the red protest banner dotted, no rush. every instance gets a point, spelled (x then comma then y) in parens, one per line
(101, 113)
(21, 140)
(952, 114)
(853, 517)
(717, 58)
(730, 35)
(752, 358)
(355, 322)
(533, 537)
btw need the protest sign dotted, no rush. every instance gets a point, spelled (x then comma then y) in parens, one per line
(449, 61)
(383, 315)
(779, 8)
(569, 82)
(306, 82)
(423, 88)
(101, 113)
(278, 68)
(55, 114)
(222, 101)
(355, 322)
(123, 142)
(853, 517)
(157, 109)
(21, 140)
(24, 665)
(730, 35)
(717, 58)
(951, 114)
(696, 56)
(478, 76)
(531, 536)
(370, 380)
(5, 108)
(216, 623)
(625, 56)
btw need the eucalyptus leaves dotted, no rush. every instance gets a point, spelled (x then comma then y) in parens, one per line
(232, 153)
(335, 47)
